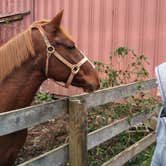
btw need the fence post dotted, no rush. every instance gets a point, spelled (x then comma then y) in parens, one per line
(77, 134)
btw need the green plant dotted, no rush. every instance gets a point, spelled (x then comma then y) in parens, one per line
(125, 66)
(43, 97)
(116, 73)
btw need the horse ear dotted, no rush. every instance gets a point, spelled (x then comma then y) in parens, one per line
(55, 23)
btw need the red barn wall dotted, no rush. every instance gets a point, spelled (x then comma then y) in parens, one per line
(98, 27)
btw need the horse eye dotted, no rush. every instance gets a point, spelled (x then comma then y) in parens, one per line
(71, 47)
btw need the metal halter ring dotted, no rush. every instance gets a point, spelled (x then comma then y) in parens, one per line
(50, 49)
(75, 69)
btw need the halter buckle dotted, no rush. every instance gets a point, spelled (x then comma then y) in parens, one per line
(75, 69)
(50, 49)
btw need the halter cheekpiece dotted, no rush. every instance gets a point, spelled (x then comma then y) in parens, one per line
(51, 51)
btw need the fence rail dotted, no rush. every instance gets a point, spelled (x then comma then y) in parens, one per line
(79, 142)
(132, 151)
(30, 116)
(6, 18)
(107, 95)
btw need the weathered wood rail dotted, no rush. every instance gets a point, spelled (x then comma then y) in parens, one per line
(7, 18)
(79, 141)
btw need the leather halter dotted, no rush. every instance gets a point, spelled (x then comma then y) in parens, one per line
(51, 51)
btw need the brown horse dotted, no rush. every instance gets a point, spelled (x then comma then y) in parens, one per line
(43, 51)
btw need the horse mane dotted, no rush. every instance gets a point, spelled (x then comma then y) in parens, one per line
(17, 50)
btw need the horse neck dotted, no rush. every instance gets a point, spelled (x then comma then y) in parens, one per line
(20, 87)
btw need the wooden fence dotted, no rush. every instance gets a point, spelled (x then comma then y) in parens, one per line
(75, 152)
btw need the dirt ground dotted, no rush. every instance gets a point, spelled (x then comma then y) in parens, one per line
(43, 138)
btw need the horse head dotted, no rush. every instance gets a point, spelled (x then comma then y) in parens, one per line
(59, 57)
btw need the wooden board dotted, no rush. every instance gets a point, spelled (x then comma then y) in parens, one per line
(105, 133)
(132, 151)
(30, 116)
(107, 95)
(55, 157)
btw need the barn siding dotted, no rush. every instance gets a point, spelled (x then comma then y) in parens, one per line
(99, 26)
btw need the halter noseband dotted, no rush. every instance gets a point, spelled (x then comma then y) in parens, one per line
(51, 51)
